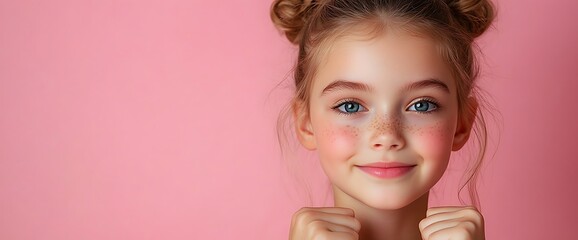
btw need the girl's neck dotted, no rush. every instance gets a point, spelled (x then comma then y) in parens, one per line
(376, 224)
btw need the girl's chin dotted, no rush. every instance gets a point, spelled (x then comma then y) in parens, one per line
(387, 205)
(387, 202)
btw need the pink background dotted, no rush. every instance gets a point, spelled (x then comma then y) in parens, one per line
(152, 120)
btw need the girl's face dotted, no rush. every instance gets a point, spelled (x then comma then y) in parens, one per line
(389, 99)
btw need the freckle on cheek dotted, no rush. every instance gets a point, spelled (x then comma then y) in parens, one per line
(411, 129)
(437, 138)
(381, 126)
(351, 131)
(438, 130)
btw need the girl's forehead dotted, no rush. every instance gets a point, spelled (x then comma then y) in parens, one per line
(394, 56)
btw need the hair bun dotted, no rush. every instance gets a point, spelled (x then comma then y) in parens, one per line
(475, 16)
(290, 17)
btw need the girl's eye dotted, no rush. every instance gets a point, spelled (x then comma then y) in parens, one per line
(424, 106)
(349, 107)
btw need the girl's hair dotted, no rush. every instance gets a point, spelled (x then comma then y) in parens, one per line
(312, 25)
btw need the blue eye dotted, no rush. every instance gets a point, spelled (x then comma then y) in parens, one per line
(423, 106)
(349, 107)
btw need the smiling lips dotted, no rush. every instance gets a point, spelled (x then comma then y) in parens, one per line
(387, 169)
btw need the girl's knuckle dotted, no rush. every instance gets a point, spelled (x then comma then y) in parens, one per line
(303, 209)
(309, 215)
(316, 225)
(302, 217)
(471, 213)
(320, 236)
(422, 224)
(439, 235)
(356, 224)
(468, 225)
(463, 233)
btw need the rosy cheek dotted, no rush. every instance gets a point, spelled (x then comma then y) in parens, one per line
(338, 142)
(435, 141)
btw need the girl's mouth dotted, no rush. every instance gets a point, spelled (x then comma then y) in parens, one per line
(387, 170)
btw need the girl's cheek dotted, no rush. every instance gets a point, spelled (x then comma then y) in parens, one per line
(435, 141)
(338, 142)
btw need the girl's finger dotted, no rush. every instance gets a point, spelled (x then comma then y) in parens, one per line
(335, 210)
(339, 219)
(435, 210)
(451, 233)
(336, 236)
(438, 217)
(332, 227)
(437, 226)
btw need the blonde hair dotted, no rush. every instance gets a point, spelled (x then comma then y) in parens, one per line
(456, 24)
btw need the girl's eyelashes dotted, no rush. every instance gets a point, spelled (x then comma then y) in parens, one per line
(424, 105)
(348, 107)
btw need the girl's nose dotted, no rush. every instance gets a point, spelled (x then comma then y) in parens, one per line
(387, 134)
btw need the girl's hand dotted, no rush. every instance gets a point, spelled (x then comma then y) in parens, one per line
(324, 223)
(452, 223)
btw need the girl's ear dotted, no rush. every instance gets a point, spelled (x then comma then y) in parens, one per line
(303, 125)
(465, 124)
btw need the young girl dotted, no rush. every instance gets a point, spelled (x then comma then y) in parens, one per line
(385, 91)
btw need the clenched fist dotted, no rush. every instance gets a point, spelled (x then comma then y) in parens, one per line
(320, 223)
(452, 223)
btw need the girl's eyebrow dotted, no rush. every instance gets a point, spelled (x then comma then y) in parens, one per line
(343, 84)
(430, 82)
